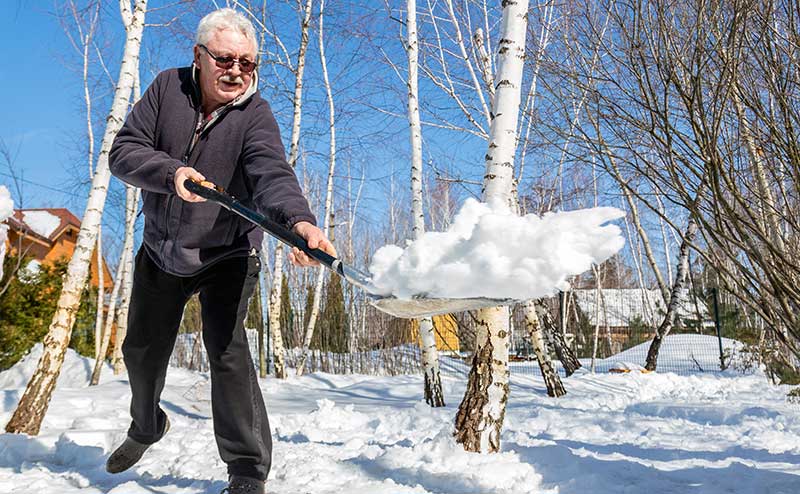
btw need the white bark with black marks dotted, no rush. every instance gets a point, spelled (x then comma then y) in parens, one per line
(552, 380)
(277, 277)
(427, 339)
(681, 278)
(30, 411)
(328, 214)
(564, 353)
(479, 421)
(132, 204)
(480, 416)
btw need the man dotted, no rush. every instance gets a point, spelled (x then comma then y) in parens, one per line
(206, 122)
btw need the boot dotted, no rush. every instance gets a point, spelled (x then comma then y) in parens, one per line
(128, 454)
(244, 485)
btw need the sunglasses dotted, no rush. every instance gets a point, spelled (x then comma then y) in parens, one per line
(226, 63)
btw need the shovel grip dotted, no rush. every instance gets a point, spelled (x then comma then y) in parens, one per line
(212, 193)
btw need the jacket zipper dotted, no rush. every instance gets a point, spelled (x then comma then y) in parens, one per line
(194, 138)
(185, 160)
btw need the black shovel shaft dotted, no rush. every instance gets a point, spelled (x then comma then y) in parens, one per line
(409, 308)
(275, 229)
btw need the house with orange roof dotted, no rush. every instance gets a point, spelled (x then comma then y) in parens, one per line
(49, 234)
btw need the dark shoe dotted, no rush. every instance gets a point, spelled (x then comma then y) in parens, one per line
(244, 485)
(128, 454)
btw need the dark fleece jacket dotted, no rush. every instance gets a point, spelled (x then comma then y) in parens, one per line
(241, 151)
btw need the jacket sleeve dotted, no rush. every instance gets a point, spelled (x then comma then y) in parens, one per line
(275, 189)
(133, 158)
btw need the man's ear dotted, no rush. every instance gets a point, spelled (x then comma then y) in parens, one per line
(196, 60)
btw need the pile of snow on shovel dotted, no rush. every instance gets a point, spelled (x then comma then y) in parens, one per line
(489, 251)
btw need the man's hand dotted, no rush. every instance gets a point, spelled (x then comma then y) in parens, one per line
(315, 239)
(183, 174)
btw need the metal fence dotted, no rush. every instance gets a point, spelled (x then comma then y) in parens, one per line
(609, 329)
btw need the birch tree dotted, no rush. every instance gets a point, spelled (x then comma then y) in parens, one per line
(30, 411)
(427, 339)
(479, 420)
(552, 381)
(123, 273)
(98, 321)
(277, 275)
(131, 205)
(681, 280)
(531, 318)
(328, 212)
(82, 45)
(569, 361)
(132, 195)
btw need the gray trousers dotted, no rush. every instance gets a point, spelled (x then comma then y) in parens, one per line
(241, 427)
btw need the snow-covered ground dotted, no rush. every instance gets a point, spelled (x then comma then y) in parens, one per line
(612, 433)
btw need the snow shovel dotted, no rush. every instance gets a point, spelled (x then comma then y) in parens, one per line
(414, 308)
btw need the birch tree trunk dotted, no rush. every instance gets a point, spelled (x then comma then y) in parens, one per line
(681, 277)
(321, 271)
(427, 339)
(30, 411)
(535, 331)
(277, 277)
(263, 329)
(98, 320)
(264, 336)
(109, 322)
(564, 353)
(552, 380)
(648, 250)
(479, 420)
(86, 41)
(131, 205)
(132, 202)
(275, 315)
(127, 247)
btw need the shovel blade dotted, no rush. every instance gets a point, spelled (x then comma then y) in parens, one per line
(416, 308)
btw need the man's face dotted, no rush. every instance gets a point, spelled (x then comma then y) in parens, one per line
(217, 85)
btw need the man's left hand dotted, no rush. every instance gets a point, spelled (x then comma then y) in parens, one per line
(315, 239)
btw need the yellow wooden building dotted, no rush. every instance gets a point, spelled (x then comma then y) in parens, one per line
(445, 327)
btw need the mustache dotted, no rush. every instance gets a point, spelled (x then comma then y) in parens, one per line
(231, 80)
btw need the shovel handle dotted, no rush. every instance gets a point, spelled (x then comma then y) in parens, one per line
(216, 194)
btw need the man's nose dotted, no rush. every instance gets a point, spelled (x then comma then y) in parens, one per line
(235, 70)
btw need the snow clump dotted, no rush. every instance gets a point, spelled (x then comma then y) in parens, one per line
(489, 251)
(6, 209)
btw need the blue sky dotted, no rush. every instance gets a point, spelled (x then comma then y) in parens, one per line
(41, 98)
(44, 119)
(44, 124)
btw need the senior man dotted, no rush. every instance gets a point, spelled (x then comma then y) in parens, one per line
(205, 122)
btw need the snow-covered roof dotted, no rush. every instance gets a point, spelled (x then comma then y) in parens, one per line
(44, 223)
(618, 307)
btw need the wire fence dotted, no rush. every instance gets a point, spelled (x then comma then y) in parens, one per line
(608, 330)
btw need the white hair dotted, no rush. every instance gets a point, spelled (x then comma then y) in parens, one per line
(223, 19)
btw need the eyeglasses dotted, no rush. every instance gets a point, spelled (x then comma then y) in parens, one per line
(226, 63)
